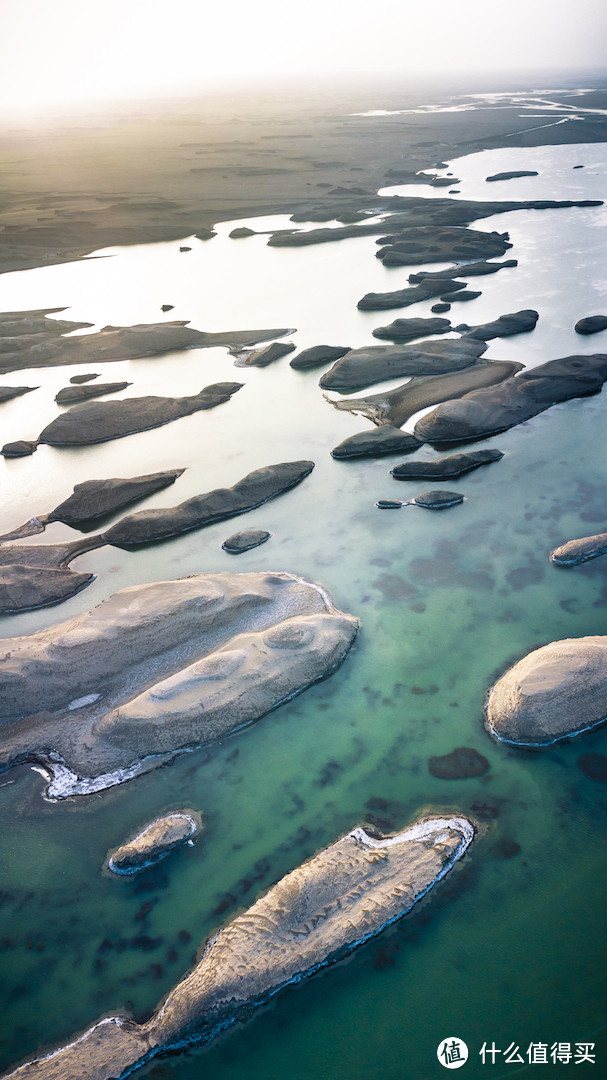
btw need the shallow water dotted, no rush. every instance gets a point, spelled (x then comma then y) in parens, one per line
(534, 104)
(506, 949)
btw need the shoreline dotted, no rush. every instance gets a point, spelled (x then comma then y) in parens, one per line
(166, 177)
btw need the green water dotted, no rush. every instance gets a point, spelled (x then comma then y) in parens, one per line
(509, 948)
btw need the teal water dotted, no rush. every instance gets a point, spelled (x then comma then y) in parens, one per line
(509, 948)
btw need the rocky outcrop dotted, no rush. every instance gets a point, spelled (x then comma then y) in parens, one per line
(19, 448)
(97, 498)
(579, 551)
(94, 499)
(77, 379)
(471, 269)
(375, 443)
(347, 217)
(553, 693)
(31, 579)
(410, 176)
(46, 347)
(233, 339)
(316, 356)
(30, 528)
(241, 232)
(428, 500)
(592, 324)
(9, 392)
(464, 211)
(376, 363)
(438, 309)
(161, 668)
(441, 243)
(407, 214)
(100, 421)
(154, 842)
(463, 296)
(350, 190)
(437, 500)
(112, 343)
(263, 357)
(447, 468)
(487, 411)
(26, 324)
(395, 407)
(520, 322)
(399, 298)
(254, 489)
(37, 576)
(513, 175)
(245, 540)
(48, 556)
(70, 395)
(313, 916)
(23, 588)
(404, 330)
(303, 238)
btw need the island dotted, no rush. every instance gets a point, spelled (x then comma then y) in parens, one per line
(314, 916)
(161, 668)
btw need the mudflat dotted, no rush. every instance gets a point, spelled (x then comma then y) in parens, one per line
(174, 170)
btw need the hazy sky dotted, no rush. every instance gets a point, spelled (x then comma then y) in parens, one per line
(56, 52)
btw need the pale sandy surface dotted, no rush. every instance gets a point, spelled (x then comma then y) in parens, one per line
(552, 693)
(154, 842)
(580, 550)
(323, 909)
(160, 667)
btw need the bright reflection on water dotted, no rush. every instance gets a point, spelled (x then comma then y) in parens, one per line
(555, 166)
(507, 948)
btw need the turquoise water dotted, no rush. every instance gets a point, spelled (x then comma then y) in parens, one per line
(508, 947)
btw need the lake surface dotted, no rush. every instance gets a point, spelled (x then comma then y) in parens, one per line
(509, 947)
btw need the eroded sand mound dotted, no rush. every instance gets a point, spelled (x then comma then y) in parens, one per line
(395, 407)
(155, 842)
(30, 339)
(489, 410)
(580, 550)
(100, 421)
(375, 363)
(553, 693)
(316, 914)
(160, 668)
